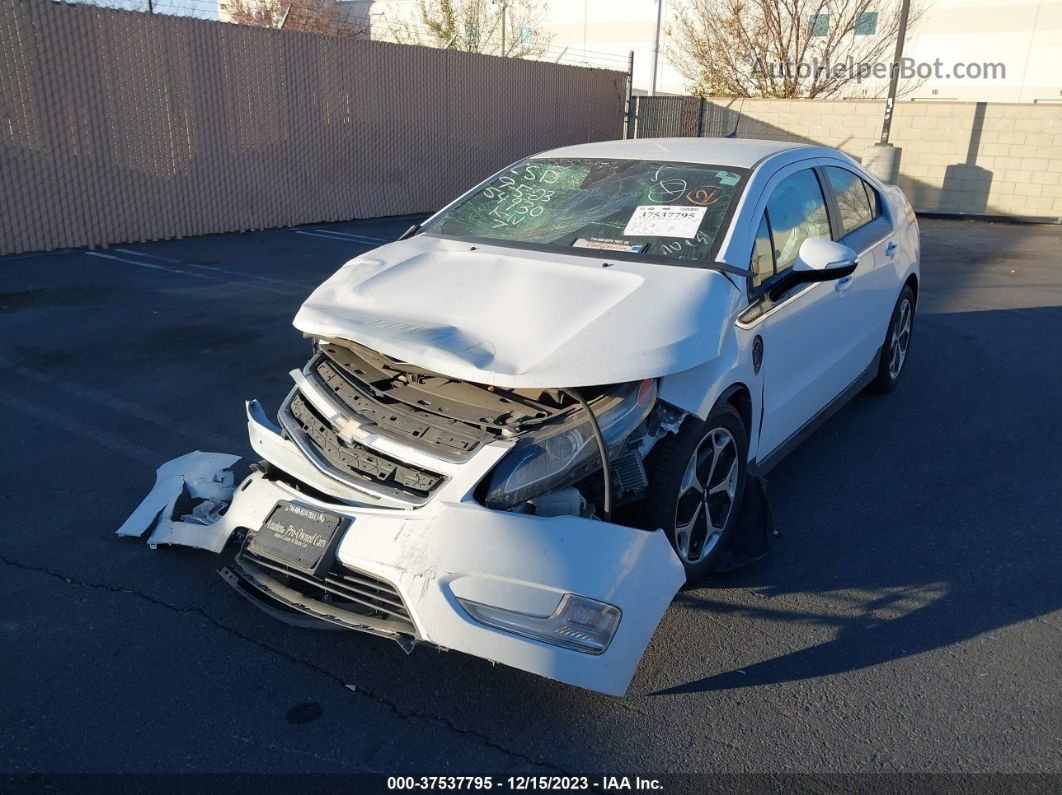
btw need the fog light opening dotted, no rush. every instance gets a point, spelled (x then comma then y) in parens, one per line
(577, 623)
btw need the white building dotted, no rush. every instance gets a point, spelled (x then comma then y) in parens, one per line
(1014, 46)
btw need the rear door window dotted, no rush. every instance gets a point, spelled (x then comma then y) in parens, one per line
(853, 199)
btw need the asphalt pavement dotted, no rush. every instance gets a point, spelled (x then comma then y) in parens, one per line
(909, 620)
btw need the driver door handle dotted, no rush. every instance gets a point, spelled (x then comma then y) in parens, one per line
(844, 284)
(890, 249)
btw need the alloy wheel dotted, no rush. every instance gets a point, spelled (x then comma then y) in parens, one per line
(706, 495)
(901, 338)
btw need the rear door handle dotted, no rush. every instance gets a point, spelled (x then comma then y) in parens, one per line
(890, 249)
(844, 284)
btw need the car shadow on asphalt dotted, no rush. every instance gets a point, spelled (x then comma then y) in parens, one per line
(921, 540)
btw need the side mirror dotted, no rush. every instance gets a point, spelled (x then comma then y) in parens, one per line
(822, 260)
(817, 261)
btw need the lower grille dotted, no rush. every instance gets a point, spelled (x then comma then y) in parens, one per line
(360, 595)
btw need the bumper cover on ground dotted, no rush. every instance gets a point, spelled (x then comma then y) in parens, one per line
(446, 551)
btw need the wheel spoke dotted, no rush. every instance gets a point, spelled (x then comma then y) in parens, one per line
(689, 478)
(684, 533)
(713, 454)
(709, 543)
(728, 484)
(720, 441)
(687, 526)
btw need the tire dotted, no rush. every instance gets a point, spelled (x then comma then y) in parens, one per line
(897, 343)
(677, 485)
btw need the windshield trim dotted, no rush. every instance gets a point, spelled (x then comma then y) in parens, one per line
(598, 254)
(709, 263)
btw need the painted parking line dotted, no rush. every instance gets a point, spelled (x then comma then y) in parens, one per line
(339, 238)
(333, 238)
(352, 236)
(183, 271)
(226, 271)
(149, 265)
(150, 256)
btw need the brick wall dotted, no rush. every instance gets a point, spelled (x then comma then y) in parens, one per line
(958, 157)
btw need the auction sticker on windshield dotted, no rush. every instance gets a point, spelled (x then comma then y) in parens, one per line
(665, 220)
(609, 245)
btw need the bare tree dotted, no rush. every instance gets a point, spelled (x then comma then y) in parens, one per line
(786, 48)
(515, 28)
(313, 16)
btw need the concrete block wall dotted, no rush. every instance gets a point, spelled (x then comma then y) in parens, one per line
(958, 157)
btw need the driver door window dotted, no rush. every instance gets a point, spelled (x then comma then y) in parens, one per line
(796, 212)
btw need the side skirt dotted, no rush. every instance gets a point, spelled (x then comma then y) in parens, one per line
(761, 468)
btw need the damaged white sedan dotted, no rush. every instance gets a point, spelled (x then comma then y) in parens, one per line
(527, 423)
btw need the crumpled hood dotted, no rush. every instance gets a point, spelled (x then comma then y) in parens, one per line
(516, 318)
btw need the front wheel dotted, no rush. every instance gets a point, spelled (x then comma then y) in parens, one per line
(696, 482)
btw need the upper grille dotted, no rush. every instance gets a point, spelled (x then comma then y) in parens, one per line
(354, 461)
(441, 436)
(369, 395)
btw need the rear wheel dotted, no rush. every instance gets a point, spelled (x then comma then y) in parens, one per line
(696, 481)
(897, 342)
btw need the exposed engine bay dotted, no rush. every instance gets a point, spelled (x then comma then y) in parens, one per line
(348, 393)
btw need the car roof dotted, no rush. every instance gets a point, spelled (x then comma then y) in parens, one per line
(738, 152)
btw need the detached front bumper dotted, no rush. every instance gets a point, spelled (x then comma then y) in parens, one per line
(445, 551)
(402, 568)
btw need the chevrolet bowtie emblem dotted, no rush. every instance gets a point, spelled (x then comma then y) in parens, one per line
(351, 429)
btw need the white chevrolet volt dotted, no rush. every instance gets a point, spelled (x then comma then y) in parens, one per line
(533, 418)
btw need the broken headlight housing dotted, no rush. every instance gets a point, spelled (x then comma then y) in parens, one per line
(561, 453)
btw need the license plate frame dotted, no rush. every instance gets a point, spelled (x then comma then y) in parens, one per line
(300, 537)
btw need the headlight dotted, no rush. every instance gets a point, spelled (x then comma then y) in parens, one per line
(562, 452)
(577, 623)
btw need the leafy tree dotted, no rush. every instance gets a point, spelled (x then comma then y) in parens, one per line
(515, 28)
(314, 16)
(786, 48)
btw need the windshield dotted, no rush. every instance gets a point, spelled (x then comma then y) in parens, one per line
(650, 208)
